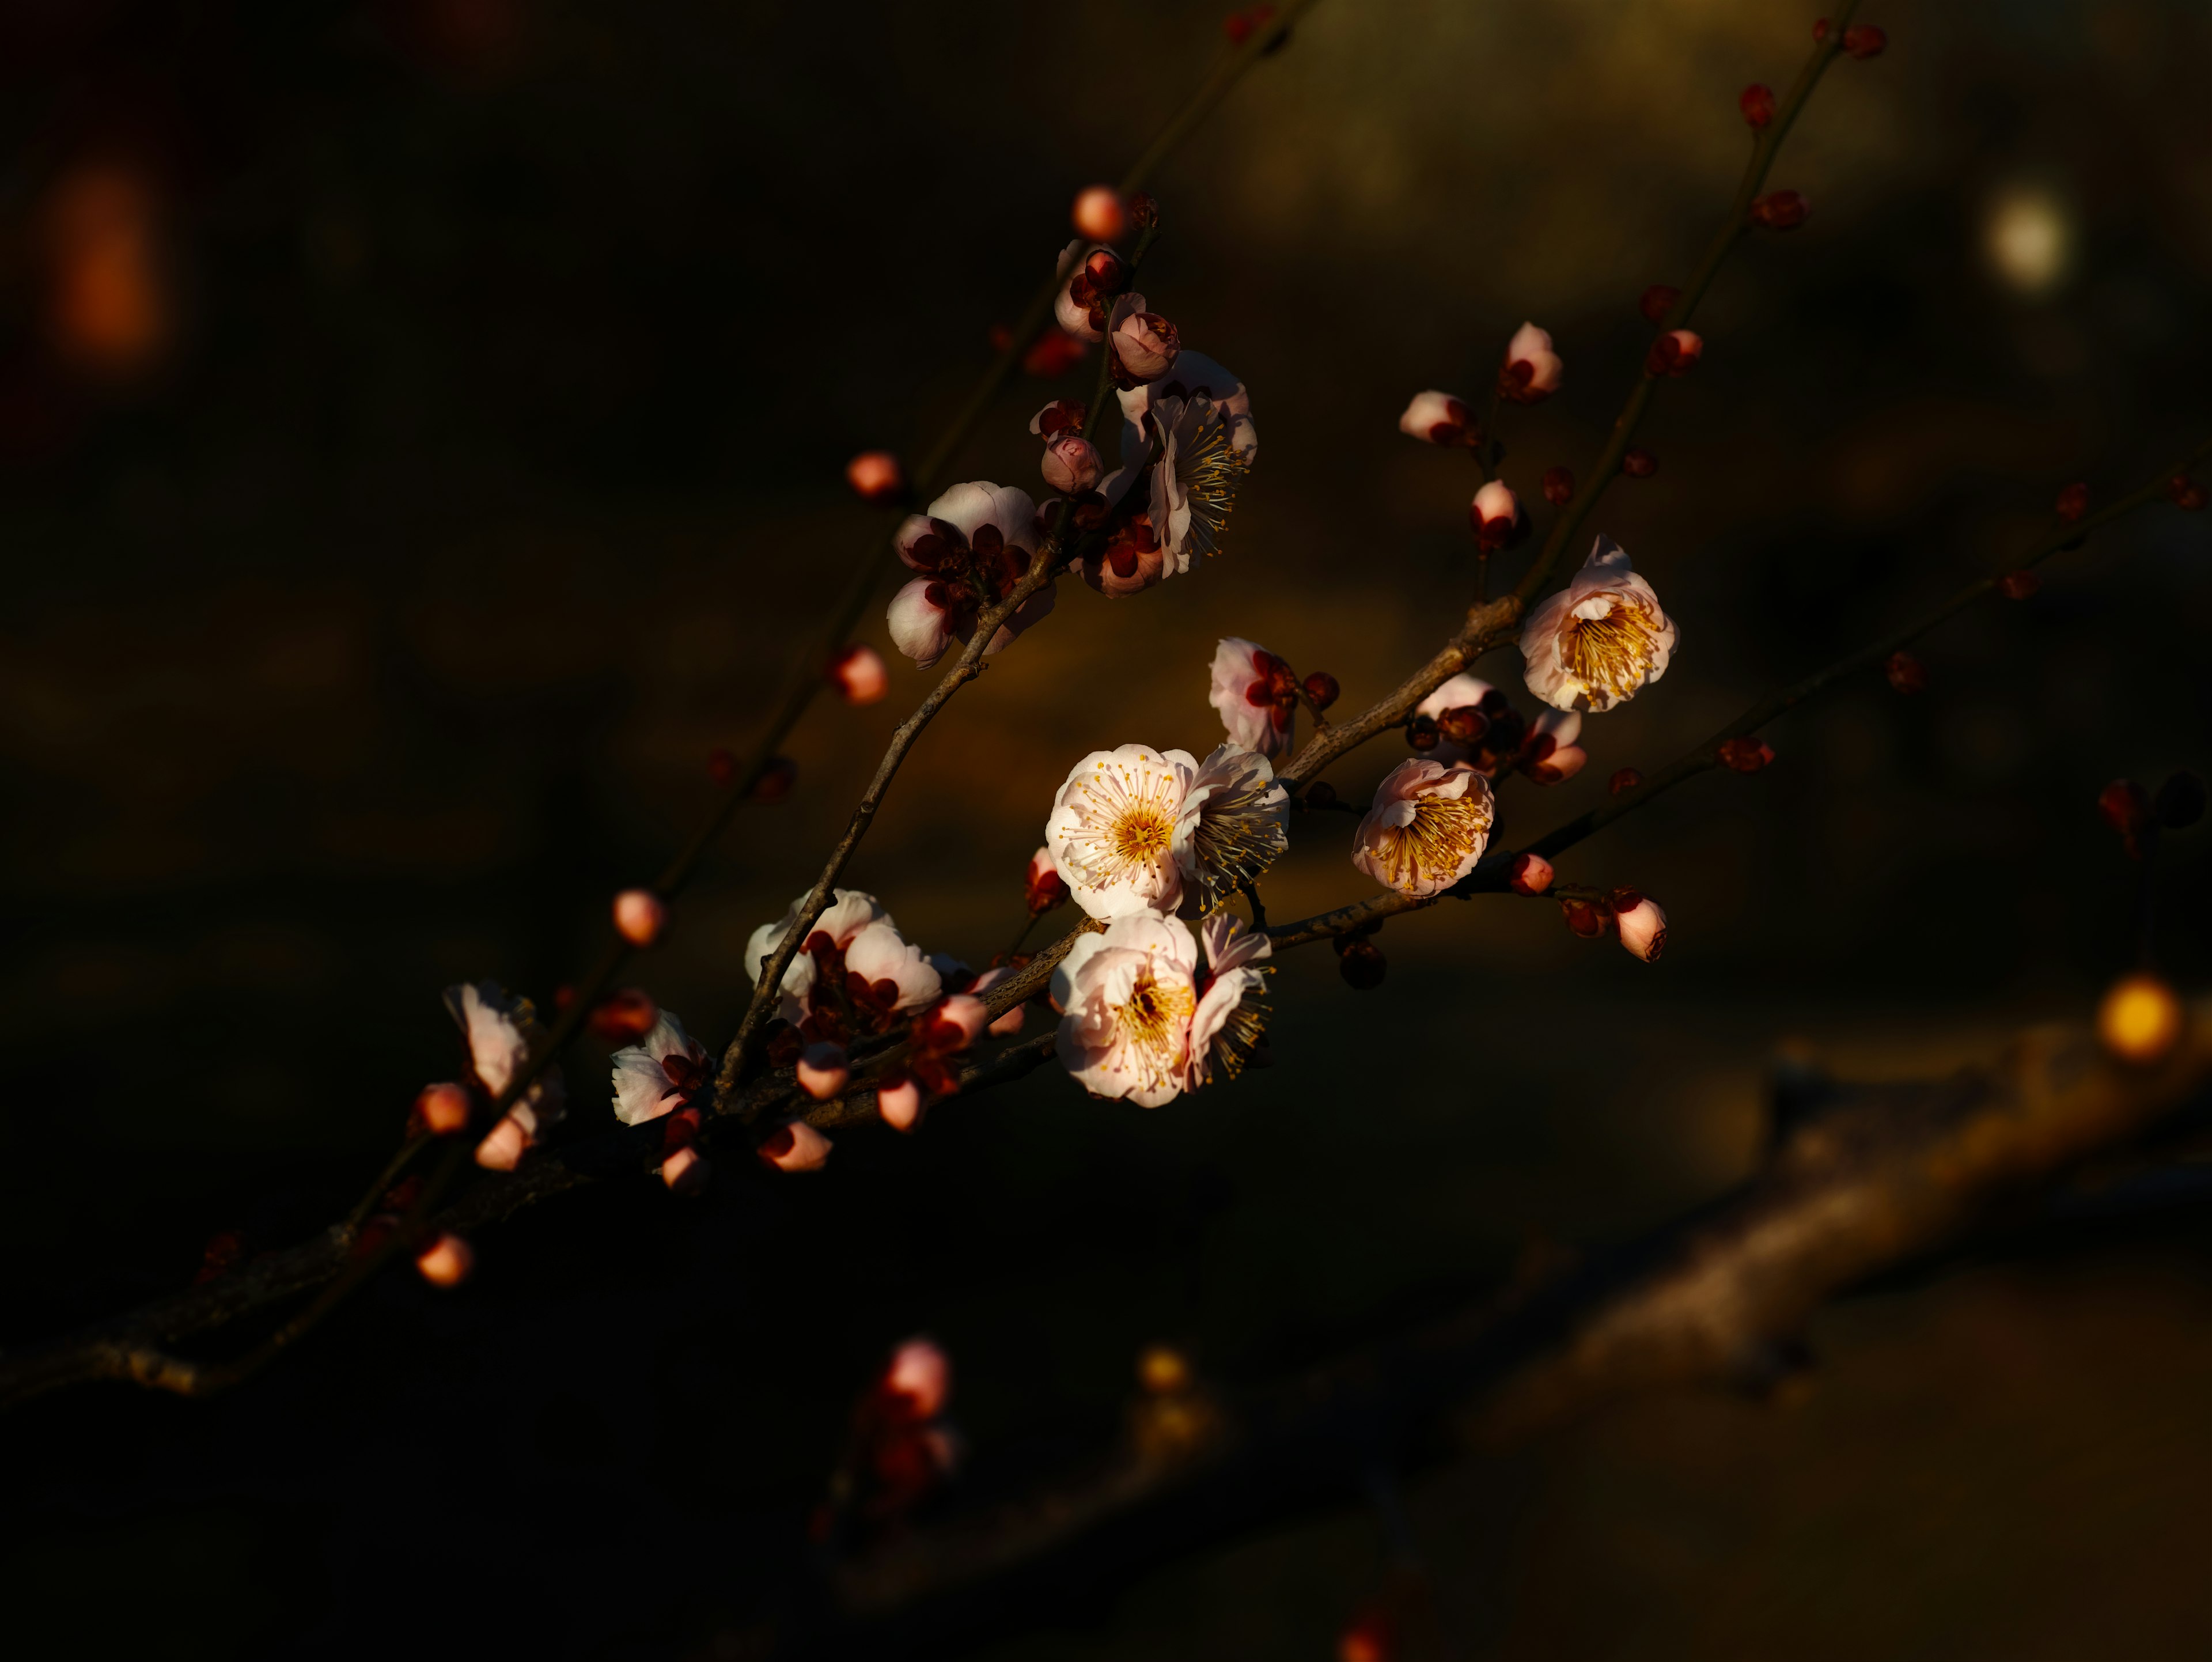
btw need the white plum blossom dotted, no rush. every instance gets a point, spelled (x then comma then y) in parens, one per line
(1126, 998)
(849, 912)
(1227, 1026)
(1234, 823)
(854, 972)
(973, 545)
(1599, 641)
(1255, 695)
(1427, 828)
(1115, 826)
(499, 1029)
(1196, 376)
(1193, 482)
(1437, 418)
(663, 1072)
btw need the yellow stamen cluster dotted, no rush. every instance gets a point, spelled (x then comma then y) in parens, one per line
(1152, 1025)
(1444, 833)
(1210, 471)
(1613, 653)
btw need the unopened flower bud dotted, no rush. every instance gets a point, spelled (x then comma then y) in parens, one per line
(1642, 925)
(1421, 732)
(1463, 725)
(964, 1015)
(1905, 673)
(822, 1070)
(639, 917)
(921, 1376)
(1106, 271)
(1071, 464)
(2073, 501)
(1746, 754)
(1780, 211)
(2019, 585)
(1144, 343)
(1624, 779)
(624, 1015)
(1757, 103)
(686, 1172)
(1864, 40)
(1658, 300)
(898, 1100)
(2180, 802)
(796, 1146)
(1550, 754)
(1559, 486)
(2127, 809)
(1321, 688)
(1587, 918)
(1640, 464)
(1531, 874)
(1046, 888)
(2139, 1019)
(2187, 493)
(1099, 215)
(859, 675)
(1320, 794)
(1060, 416)
(1532, 371)
(776, 780)
(1493, 515)
(1437, 418)
(443, 1109)
(1362, 965)
(447, 1260)
(503, 1145)
(876, 477)
(1674, 353)
(1143, 210)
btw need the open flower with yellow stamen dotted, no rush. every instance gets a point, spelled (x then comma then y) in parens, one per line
(1115, 827)
(1236, 830)
(1126, 998)
(1427, 828)
(1230, 1023)
(1600, 640)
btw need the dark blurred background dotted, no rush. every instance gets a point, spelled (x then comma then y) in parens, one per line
(421, 436)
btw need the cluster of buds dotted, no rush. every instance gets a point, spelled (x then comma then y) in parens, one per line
(1086, 299)
(1466, 720)
(938, 1035)
(1674, 353)
(1629, 914)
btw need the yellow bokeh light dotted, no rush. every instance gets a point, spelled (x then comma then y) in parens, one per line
(2029, 238)
(2140, 1019)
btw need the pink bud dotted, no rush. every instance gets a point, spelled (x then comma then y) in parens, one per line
(1532, 873)
(1757, 104)
(922, 1373)
(1642, 927)
(1010, 1023)
(640, 916)
(1437, 418)
(1493, 514)
(1046, 888)
(1780, 211)
(1674, 353)
(859, 675)
(823, 1071)
(447, 1260)
(1073, 311)
(686, 1172)
(503, 1147)
(443, 1109)
(965, 1012)
(1099, 215)
(796, 1146)
(876, 477)
(1532, 370)
(899, 1103)
(1145, 344)
(1071, 464)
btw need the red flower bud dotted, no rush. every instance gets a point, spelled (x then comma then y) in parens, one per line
(859, 675)
(1626, 779)
(639, 917)
(2073, 502)
(1361, 962)
(1559, 486)
(776, 783)
(1587, 918)
(1640, 464)
(624, 1015)
(1462, 725)
(2019, 585)
(1321, 688)
(1757, 104)
(1674, 353)
(442, 1109)
(2186, 492)
(1144, 208)
(1864, 40)
(2126, 806)
(1747, 754)
(1421, 732)
(1320, 794)
(1904, 672)
(1780, 211)
(1658, 300)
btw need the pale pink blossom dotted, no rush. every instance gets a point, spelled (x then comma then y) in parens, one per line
(859, 674)
(665, 1070)
(501, 1029)
(1643, 926)
(1229, 1021)
(822, 1070)
(686, 1172)
(1463, 691)
(1235, 824)
(639, 917)
(447, 1261)
(1193, 480)
(796, 1146)
(1551, 753)
(1115, 826)
(1495, 516)
(1427, 828)
(1599, 641)
(899, 1102)
(964, 1012)
(1144, 343)
(1126, 998)
(1255, 694)
(1437, 418)
(874, 976)
(849, 912)
(1196, 377)
(1071, 464)
(972, 547)
(896, 970)
(921, 1372)
(1532, 347)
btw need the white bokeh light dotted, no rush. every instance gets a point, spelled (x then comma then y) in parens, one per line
(2029, 235)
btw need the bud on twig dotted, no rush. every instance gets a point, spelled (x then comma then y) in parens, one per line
(1054, 353)
(876, 477)
(2139, 1019)
(1757, 103)
(1143, 210)
(1904, 672)
(1532, 371)
(447, 1261)
(1559, 486)
(1746, 754)
(1321, 688)
(796, 1146)
(1625, 779)
(823, 1071)
(1438, 418)
(1496, 518)
(859, 675)
(1640, 464)
(443, 1109)
(1045, 887)
(2187, 493)
(1421, 732)
(1864, 40)
(2073, 501)
(1674, 353)
(1099, 215)
(2019, 585)
(624, 1015)
(1587, 918)
(1658, 300)
(639, 917)
(1642, 925)
(1531, 874)
(776, 780)
(2126, 807)
(1361, 962)
(1780, 211)
(686, 1172)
